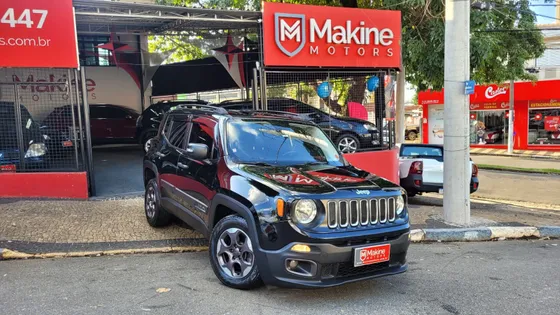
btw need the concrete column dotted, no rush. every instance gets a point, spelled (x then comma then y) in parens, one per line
(457, 172)
(401, 123)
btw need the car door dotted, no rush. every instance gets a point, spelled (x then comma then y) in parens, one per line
(100, 129)
(197, 178)
(167, 155)
(121, 122)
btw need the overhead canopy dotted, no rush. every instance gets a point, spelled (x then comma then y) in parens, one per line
(99, 16)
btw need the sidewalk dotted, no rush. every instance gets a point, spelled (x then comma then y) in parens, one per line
(81, 226)
(516, 161)
(517, 153)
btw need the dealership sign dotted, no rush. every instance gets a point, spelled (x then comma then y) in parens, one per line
(38, 34)
(302, 35)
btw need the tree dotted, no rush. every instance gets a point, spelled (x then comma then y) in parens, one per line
(502, 39)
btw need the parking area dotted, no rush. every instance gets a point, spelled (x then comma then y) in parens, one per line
(118, 170)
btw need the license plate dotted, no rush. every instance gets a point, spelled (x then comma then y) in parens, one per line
(67, 144)
(441, 191)
(8, 168)
(372, 255)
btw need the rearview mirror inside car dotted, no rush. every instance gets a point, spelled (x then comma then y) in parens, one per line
(197, 151)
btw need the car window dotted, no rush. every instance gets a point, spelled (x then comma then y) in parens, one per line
(108, 112)
(176, 131)
(422, 151)
(200, 133)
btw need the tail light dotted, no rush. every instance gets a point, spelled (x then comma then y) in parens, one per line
(474, 170)
(416, 167)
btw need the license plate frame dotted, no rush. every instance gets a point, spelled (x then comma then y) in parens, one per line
(8, 168)
(377, 254)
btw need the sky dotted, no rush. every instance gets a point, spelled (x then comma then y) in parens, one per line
(548, 9)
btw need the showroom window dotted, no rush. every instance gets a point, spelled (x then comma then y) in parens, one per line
(544, 126)
(488, 127)
(91, 54)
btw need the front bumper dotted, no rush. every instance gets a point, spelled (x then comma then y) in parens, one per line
(331, 265)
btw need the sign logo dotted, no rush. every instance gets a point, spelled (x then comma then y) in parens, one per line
(289, 30)
(362, 192)
(491, 93)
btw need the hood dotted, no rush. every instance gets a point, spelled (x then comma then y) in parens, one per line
(318, 179)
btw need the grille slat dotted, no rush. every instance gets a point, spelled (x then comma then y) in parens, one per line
(344, 213)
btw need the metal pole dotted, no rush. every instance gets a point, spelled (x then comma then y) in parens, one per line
(76, 77)
(88, 131)
(401, 125)
(264, 101)
(457, 172)
(19, 126)
(511, 116)
(255, 89)
(68, 89)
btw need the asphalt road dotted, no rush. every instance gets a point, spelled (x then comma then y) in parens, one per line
(510, 277)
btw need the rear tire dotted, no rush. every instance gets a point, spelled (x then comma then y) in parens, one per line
(232, 256)
(155, 214)
(347, 143)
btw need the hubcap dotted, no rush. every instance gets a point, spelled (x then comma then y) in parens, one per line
(235, 253)
(148, 145)
(151, 202)
(347, 145)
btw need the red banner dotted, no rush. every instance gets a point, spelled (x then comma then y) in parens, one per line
(552, 123)
(38, 34)
(302, 35)
(490, 106)
(544, 104)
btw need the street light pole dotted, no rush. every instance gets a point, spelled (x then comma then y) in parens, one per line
(457, 173)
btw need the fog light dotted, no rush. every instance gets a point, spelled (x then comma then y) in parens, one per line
(292, 264)
(301, 248)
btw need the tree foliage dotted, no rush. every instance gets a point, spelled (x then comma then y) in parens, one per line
(502, 39)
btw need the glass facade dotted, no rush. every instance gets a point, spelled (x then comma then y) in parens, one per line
(488, 127)
(544, 126)
(90, 54)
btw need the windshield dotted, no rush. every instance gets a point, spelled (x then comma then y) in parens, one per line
(279, 143)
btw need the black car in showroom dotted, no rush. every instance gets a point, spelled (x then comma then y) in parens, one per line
(349, 134)
(34, 148)
(148, 123)
(277, 200)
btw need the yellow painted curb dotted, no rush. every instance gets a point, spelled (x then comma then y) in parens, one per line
(8, 254)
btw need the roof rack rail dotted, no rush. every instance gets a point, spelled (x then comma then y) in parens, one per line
(270, 112)
(204, 108)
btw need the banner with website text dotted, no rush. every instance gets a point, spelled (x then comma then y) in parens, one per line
(320, 36)
(38, 34)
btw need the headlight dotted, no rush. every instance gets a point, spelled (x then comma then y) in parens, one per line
(305, 211)
(370, 127)
(35, 150)
(400, 204)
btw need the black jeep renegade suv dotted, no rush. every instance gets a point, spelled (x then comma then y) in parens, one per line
(278, 202)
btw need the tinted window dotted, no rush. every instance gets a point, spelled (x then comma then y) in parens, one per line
(422, 151)
(108, 112)
(201, 134)
(176, 131)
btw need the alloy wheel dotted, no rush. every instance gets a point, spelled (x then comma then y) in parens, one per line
(151, 200)
(235, 253)
(347, 145)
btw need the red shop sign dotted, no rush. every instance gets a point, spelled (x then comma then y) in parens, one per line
(38, 34)
(490, 106)
(552, 123)
(303, 35)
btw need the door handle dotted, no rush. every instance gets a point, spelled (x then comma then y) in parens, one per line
(183, 166)
(161, 154)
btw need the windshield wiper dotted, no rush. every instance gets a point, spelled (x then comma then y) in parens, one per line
(312, 163)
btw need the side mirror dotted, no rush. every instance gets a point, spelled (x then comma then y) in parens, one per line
(197, 151)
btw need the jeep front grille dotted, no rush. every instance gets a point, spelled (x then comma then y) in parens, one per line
(356, 212)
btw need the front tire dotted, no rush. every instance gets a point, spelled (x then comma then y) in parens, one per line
(232, 255)
(347, 143)
(155, 214)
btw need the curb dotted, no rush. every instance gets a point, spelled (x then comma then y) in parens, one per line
(6, 254)
(499, 168)
(484, 234)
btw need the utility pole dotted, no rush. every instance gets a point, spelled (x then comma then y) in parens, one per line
(401, 86)
(457, 173)
(511, 114)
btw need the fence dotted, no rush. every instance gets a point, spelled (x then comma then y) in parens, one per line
(353, 117)
(41, 121)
